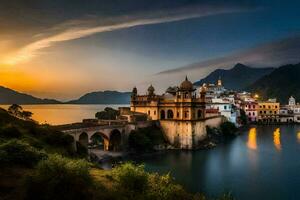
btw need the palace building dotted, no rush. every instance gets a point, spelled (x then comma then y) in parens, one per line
(180, 111)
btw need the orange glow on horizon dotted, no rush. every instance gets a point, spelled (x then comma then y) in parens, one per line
(252, 143)
(276, 139)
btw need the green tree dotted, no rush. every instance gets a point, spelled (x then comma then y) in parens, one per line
(228, 129)
(26, 115)
(107, 114)
(15, 110)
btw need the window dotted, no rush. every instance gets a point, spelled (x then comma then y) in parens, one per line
(186, 114)
(154, 112)
(269, 107)
(177, 114)
(148, 112)
(275, 112)
(170, 114)
(253, 113)
(264, 106)
(162, 114)
(260, 112)
(265, 112)
(199, 114)
(275, 106)
(225, 107)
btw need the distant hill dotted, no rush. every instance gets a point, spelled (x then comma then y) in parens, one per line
(281, 84)
(236, 78)
(103, 97)
(9, 96)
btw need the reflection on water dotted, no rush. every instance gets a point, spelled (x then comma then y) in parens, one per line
(56, 114)
(276, 139)
(298, 136)
(252, 144)
(249, 166)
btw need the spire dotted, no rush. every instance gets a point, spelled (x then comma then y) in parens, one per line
(219, 81)
(186, 78)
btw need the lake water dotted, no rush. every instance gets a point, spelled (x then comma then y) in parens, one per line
(262, 163)
(57, 114)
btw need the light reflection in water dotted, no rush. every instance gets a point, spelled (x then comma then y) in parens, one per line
(298, 136)
(252, 144)
(276, 139)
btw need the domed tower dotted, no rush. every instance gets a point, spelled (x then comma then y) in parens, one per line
(202, 93)
(151, 90)
(133, 93)
(186, 89)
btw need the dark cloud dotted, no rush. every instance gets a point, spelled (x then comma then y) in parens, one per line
(284, 51)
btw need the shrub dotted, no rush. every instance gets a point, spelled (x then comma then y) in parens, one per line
(144, 139)
(228, 129)
(139, 141)
(58, 139)
(10, 131)
(163, 187)
(81, 150)
(16, 152)
(59, 178)
(132, 182)
(131, 178)
(108, 114)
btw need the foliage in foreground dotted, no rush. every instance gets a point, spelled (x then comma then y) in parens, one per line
(59, 178)
(132, 182)
(15, 152)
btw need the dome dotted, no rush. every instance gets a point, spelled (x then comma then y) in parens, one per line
(151, 90)
(134, 90)
(186, 85)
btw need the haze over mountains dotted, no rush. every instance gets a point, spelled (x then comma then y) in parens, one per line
(105, 97)
(277, 83)
(236, 78)
(9, 96)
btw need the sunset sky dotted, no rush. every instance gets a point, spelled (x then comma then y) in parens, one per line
(64, 48)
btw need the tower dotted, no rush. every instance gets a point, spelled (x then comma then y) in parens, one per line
(219, 83)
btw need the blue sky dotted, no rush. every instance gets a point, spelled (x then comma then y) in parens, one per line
(64, 48)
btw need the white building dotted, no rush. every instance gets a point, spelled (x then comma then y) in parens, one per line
(225, 107)
(292, 101)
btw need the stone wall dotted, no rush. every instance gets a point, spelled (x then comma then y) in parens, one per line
(184, 134)
(188, 134)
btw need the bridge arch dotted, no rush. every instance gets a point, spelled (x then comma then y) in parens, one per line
(115, 140)
(99, 140)
(83, 139)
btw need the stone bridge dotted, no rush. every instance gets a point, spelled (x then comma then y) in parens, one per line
(113, 137)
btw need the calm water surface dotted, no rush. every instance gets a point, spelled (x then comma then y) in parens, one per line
(56, 114)
(262, 163)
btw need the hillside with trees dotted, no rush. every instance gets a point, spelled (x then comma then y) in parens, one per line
(281, 84)
(39, 162)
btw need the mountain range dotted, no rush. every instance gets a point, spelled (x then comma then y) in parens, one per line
(103, 97)
(279, 83)
(236, 78)
(9, 96)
